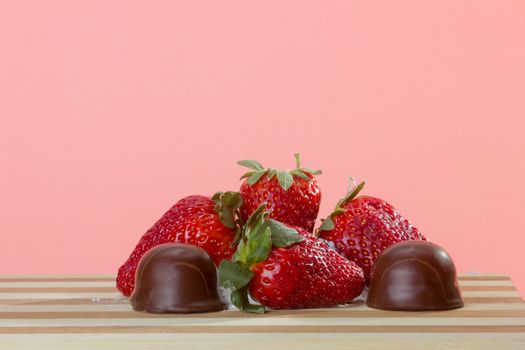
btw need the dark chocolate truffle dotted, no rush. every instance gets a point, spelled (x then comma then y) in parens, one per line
(176, 278)
(414, 276)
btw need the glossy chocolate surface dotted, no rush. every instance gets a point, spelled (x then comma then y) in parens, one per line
(176, 278)
(412, 276)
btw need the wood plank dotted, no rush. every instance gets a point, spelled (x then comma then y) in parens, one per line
(488, 300)
(250, 321)
(464, 283)
(86, 312)
(261, 341)
(347, 309)
(116, 301)
(117, 314)
(266, 329)
(483, 277)
(495, 294)
(258, 341)
(115, 295)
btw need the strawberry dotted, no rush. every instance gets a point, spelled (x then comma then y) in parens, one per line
(286, 267)
(209, 223)
(360, 228)
(292, 197)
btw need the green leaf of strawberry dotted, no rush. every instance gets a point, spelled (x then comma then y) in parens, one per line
(259, 246)
(353, 191)
(282, 235)
(239, 298)
(271, 173)
(256, 216)
(234, 275)
(252, 164)
(311, 171)
(327, 225)
(258, 237)
(297, 160)
(300, 173)
(256, 176)
(285, 179)
(226, 205)
(248, 174)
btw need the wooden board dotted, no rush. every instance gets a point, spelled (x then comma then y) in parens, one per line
(86, 312)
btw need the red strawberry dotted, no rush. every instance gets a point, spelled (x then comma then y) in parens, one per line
(361, 228)
(285, 267)
(206, 222)
(292, 197)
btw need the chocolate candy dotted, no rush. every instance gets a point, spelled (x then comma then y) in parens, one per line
(412, 276)
(176, 278)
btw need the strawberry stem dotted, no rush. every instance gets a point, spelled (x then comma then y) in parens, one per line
(328, 223)
(352, 193)
(257, 238)
(297, 160)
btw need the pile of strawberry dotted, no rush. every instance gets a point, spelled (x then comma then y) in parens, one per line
(264, 242)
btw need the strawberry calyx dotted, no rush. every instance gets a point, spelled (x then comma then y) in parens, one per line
(227, 205)
(353, 191)
(284, 177)
(258, 236)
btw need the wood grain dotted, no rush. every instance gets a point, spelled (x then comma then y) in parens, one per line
(54, 312)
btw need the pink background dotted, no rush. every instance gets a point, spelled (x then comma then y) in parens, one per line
(113, 110)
